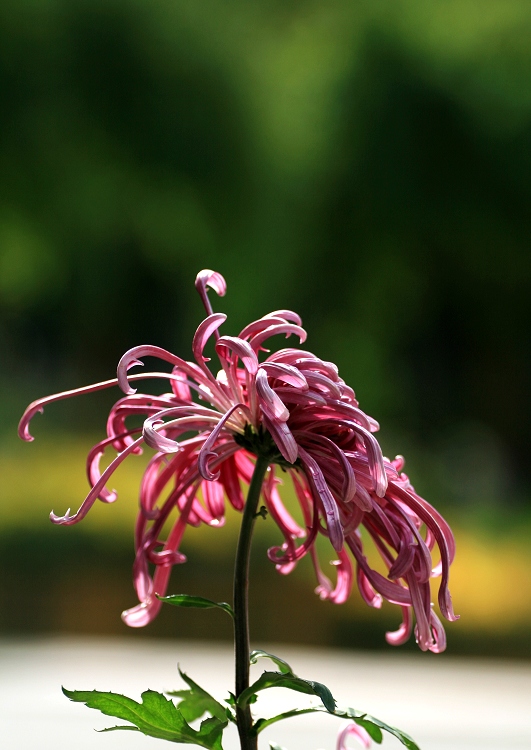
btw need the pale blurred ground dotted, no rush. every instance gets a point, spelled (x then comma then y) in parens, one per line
(443, 702)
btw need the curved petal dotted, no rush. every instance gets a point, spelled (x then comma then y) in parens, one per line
(318, 483)
(286, 373)
(283, 438)
(276, 329)
(204, 331)
(38, 406)
(268, 400)
(240, 348)
(207, 278)
(67, 519)
(205, 454)
(130, 359)
(402, 634)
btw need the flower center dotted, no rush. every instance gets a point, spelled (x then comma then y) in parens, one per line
(262, 444)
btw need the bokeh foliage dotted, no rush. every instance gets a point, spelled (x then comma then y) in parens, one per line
(364, 163)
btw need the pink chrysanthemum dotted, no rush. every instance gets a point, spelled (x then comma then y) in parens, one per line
(294, 409)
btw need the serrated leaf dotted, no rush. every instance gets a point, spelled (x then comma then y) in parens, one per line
(374, 727)
(198, 602)
(282, 665)
(156, 716)
(195, 701)
(290, 681)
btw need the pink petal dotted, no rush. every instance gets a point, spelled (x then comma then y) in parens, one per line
(353, 730)
(268, 399)
(318, 483)
(203, 333)
(228, 344)
(212, 279)
(276, 329)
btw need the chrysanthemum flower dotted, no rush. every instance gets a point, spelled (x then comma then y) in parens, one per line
(294, 409)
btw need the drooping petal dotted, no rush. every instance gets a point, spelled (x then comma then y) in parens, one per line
(318, 483)
(283, 438)
(38, 406)
(93, 466)
(403, 633)
(67, 519)
(339, 593)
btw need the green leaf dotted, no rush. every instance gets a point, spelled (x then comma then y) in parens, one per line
(274, 746)
(113, 729)
(261, 724)
(374, 727)
(156, 716)
(195, 702)
(199, 602)
(282, 665)
(290, 681)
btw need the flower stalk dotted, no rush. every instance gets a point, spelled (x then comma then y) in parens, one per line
(241, 602)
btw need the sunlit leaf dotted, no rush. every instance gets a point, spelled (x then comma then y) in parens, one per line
(195, 701)
(290, 681)
(198, 602)
(156, 716)
(283, 666)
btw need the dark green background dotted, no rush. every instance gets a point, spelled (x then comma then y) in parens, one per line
(364, 163)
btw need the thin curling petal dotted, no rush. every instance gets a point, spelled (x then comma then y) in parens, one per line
(288, 315)
(402, 635)
(205, 454)
(286, 328)
(157, 441)
(204, 331)
(67, 519)
(37, 407)
(257, 326)
(215, 281)
(93, 467)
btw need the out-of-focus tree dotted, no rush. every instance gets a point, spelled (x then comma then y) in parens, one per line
(364, 163)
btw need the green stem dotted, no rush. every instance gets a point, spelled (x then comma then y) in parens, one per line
(241, 602)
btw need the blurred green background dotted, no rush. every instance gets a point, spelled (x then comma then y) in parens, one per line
(364, 163)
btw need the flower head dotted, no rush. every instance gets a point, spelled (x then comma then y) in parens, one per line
(293, 408)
